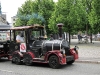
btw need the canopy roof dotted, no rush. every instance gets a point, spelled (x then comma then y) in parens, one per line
(26, 27)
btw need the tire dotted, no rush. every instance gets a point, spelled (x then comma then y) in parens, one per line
(27, 60)
(70, 62)
(16, 59)
(54, 62)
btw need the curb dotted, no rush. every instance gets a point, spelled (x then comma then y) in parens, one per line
(87, 61)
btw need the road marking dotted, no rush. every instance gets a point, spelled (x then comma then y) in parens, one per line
(88, 61)
(7, 71)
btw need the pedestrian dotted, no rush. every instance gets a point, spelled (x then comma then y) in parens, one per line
(79, 37)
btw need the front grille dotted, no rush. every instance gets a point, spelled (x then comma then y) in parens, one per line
(67, 51)
(69, 58)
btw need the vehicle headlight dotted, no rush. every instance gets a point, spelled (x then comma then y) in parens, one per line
(76, 47)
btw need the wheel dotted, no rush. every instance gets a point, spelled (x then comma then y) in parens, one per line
(54, 62)
(16, 59)
(70, 62)
(27, 60)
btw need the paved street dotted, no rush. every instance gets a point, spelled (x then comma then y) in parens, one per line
(7, 68)
(89, 52)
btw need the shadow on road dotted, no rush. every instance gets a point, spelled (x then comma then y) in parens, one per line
(3, 60)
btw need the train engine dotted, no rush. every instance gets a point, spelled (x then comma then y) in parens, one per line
(55, 52)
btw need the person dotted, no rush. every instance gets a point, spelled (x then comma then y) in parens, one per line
(20, 37)
(31, 36)
(51, 36)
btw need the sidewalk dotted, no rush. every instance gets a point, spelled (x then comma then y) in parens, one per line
(88, 53)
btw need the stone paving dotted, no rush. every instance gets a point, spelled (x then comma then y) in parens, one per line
(88, 53)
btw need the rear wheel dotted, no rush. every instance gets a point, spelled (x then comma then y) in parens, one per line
(16, 59)
(27, 60)
(54, 62)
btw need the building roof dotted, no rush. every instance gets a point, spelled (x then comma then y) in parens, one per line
(5, 27)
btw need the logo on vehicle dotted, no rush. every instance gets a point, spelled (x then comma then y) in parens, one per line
(22, 47)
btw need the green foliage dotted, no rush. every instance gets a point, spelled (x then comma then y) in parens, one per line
(35, 11)
(46, 7)
(96, 15)
(20, 22)
(69, 12)
(35, 21)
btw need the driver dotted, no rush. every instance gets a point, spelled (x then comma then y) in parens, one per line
(31, 36)
(20, 37)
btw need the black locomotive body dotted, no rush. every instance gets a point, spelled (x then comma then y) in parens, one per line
(51, 47)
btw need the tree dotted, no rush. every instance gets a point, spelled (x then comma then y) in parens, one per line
(22, 12)
(37, 11)
(88, 7)
(46, 7)
(69, 12)
(94, 18)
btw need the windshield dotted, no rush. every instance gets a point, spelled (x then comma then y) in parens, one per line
(34, 34)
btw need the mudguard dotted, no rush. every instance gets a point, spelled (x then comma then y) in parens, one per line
(17, 52)
(74, 53)
(61, 57)
(31, 54)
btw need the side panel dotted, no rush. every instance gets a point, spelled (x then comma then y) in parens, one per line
(14, 47)
(4, 49)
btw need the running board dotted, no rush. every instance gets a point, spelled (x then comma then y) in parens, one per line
(38, 60)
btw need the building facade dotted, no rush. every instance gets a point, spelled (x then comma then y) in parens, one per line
(13, 20)
(3, 20)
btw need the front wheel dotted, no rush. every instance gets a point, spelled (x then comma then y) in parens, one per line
(54, 62)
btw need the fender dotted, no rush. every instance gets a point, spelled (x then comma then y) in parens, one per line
(74, 53)
(17, 52)
(31, 54)
(62, 59)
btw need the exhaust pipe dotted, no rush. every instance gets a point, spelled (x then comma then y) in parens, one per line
(60, 29)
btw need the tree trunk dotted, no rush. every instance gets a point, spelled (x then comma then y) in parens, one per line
(69, 38)
(91, 37)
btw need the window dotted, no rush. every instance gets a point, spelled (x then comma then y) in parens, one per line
(14, 19)
(13, 23)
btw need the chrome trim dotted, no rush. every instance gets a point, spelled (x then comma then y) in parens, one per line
(42, 45)
(52, 46)
(60, 44)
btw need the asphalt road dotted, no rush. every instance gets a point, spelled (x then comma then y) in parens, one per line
(7, 68)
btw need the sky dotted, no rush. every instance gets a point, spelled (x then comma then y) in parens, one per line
(10, 7)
